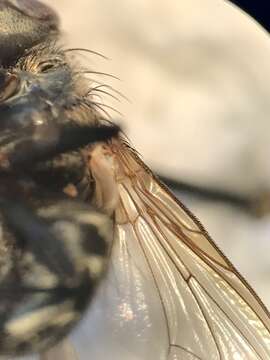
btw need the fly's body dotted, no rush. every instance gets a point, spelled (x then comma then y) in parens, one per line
(80, 210)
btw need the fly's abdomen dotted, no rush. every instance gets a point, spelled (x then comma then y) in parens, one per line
(57, 256)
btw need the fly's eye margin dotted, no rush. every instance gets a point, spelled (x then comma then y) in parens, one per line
(46, 67)
(9, 84)
(50, 64)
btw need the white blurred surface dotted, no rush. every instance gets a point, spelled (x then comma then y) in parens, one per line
(197, 73)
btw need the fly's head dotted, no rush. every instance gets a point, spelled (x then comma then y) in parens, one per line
(42, 96)
(43, 87)
(24, 24)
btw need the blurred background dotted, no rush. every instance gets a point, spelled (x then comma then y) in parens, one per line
(198, 78)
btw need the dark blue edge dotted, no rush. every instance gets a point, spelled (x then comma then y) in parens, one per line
(258, 9)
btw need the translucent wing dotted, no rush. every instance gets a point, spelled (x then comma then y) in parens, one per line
(170, 294)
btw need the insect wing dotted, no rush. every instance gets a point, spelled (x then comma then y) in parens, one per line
(170, 293)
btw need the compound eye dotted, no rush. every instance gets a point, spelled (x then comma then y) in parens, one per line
(9, 84)
(36, 10)
(24, 24)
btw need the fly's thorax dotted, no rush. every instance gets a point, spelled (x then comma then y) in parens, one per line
(88, 174)
(61, 172)
(103, 166)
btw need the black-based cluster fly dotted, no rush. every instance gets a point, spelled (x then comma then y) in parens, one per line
(76, 200)
(52, 250)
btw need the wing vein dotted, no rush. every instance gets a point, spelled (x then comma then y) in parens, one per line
(185, 239)
(157, 228)
(187, 282)
(186, 350)
(154, 230)
(229, 319)
(158, 290)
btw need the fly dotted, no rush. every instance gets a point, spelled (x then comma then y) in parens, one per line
(85, 223)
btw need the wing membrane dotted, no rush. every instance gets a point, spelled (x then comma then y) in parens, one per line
(209, 310)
